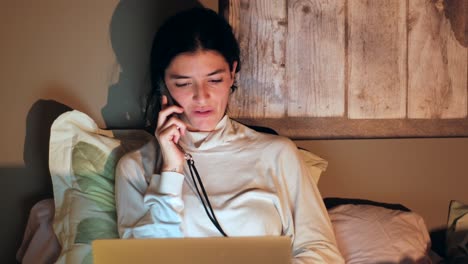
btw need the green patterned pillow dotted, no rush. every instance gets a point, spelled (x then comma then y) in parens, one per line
(82, 161)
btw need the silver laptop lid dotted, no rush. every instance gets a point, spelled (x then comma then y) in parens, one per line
(244, 250)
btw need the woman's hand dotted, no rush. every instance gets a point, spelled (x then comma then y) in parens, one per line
(168, 132)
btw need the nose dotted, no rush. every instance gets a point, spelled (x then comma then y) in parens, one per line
(201, 92)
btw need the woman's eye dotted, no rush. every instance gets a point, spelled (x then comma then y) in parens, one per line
(182, 84)
(216, 81)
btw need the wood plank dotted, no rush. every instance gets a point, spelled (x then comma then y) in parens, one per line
(344, 128)
(377, 59)
(261, 30)
(316, 58)
(437, 59)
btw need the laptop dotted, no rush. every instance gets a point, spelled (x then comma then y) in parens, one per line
(210, 250)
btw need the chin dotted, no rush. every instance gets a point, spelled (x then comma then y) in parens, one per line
(204, 126)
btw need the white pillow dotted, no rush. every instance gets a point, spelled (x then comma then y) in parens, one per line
(372, 234)
(82, 161)
(315, 165)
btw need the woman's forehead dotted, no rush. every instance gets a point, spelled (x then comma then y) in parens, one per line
(200, 62)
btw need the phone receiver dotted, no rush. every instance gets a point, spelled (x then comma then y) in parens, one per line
(170, 100)
(165, 91)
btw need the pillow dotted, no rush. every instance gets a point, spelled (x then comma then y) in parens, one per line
(373, 234)
(82, 160)
(39, 242)
(315, 165)
(457, 233)
(331, 202)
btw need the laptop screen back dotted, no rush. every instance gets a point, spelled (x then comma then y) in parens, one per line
(244, 250)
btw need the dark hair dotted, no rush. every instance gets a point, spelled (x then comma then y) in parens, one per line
(188, 31)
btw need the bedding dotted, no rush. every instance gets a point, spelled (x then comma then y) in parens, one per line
(457, 233)
(40, 245)
(332, 202)
(82, 160)
(82, 164)
(365, 234)
(374, 234)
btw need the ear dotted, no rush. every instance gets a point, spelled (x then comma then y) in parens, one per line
(234, 68)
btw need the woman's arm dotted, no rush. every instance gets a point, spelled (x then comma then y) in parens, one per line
(311, 229)
(147, 211)
(153, 210)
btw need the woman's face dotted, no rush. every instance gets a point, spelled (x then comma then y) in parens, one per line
(200, 82)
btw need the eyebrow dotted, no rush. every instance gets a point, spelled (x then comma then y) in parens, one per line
(216, 72)
(178, 76)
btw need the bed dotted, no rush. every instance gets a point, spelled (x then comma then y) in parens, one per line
(82, 161)
(395, 106)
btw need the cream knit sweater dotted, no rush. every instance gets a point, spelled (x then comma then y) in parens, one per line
(256, 183)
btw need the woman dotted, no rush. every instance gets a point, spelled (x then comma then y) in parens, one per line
(256, 183)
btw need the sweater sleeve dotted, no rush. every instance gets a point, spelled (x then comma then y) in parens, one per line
(147, 210)
(309, 226)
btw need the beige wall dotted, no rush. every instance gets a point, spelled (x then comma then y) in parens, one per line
(422, 174)
(88, 55)
(84, 54)
(92, 56)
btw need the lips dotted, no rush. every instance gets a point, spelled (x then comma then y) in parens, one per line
(203, 112)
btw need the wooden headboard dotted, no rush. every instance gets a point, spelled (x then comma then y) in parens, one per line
(352, 68)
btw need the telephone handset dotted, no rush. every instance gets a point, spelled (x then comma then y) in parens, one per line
(193, 170)
(170, 101)
(165, 91)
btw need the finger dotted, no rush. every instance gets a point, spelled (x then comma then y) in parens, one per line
(164, 106)
(181, 125)
(176, 137)
(170, 134)
(166, 112)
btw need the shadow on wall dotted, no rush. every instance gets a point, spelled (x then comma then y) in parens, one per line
(36, 143)
(25, 186)
(132, 29)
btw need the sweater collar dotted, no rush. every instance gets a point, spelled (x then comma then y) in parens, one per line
(201, 140)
